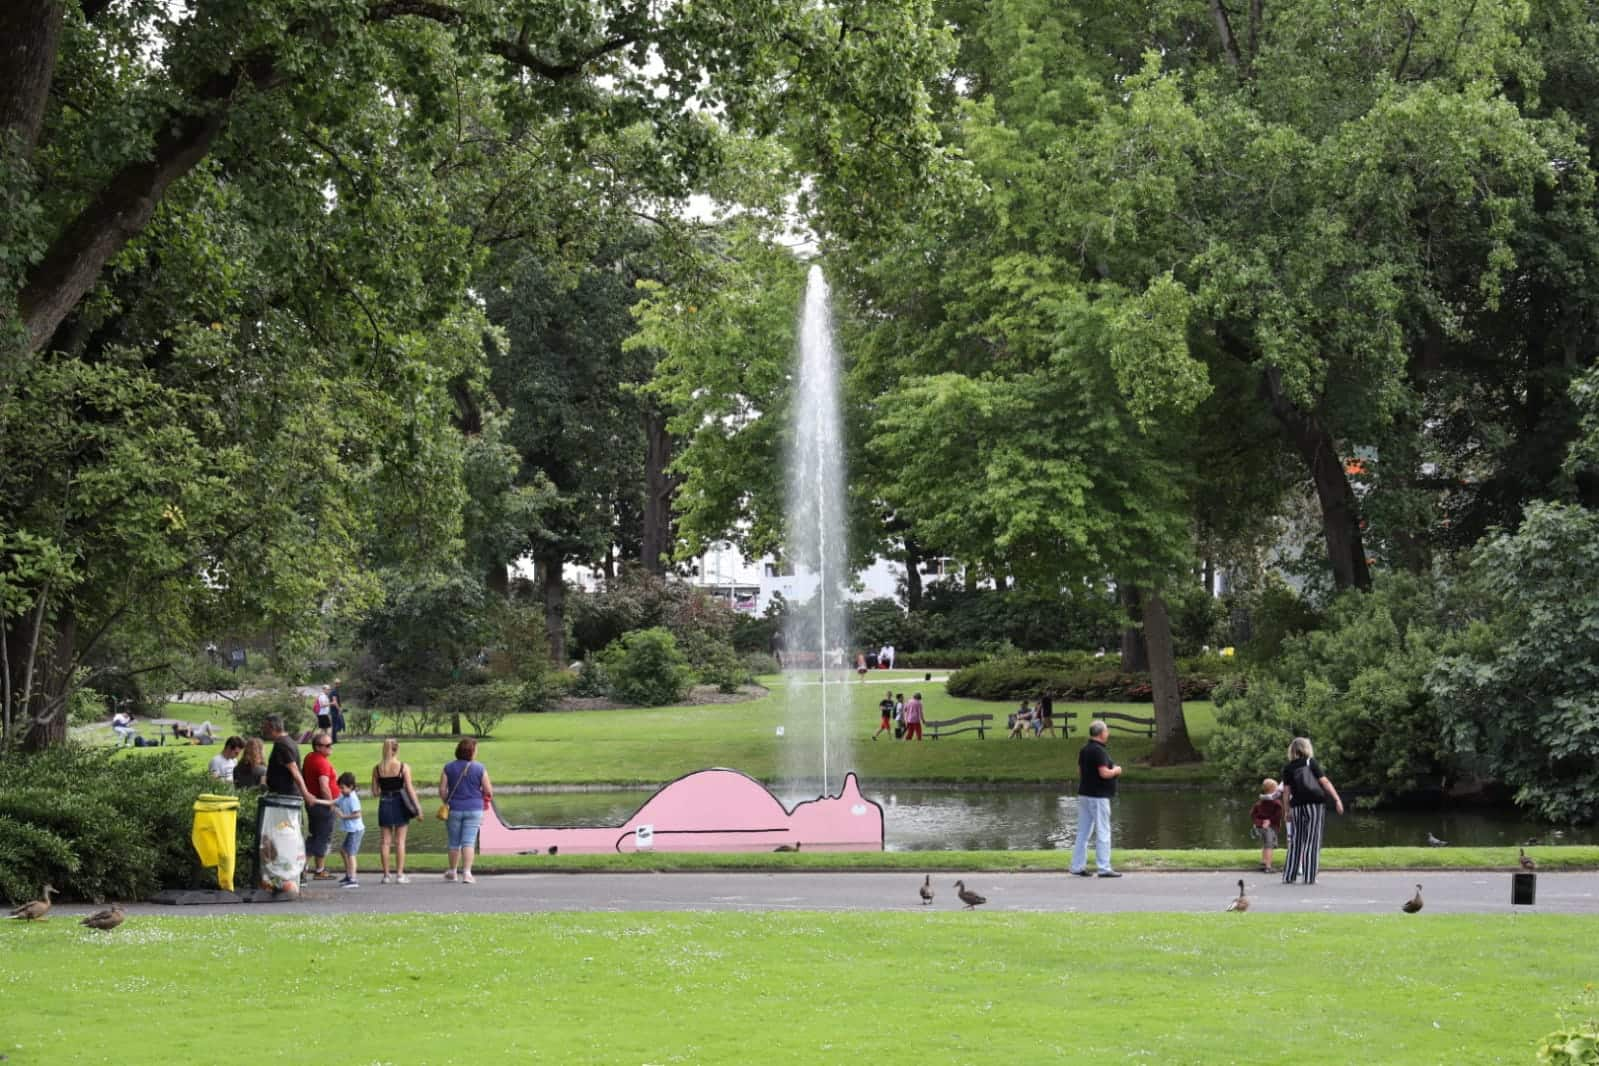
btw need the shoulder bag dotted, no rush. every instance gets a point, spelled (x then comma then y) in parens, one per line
(406, 801)
(444, 808)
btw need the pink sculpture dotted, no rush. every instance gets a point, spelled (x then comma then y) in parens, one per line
(710, 810)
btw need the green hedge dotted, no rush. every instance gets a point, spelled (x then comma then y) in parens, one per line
(940, 658)
(99, 824)
(1027, 677)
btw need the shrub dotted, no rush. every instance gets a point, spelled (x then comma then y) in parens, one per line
(97, 823)
(723, 668)
(421, 720)
(251, 712)
(940, 658)
(1357, 688)
(759, 663)
(86, 707)
(483, 706)
(1577, 1042)
(588, 680)
(362, 722)
(646, 668)
(951, 617)
(1025, 677)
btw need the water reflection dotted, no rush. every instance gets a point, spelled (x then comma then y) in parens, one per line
(924, 819)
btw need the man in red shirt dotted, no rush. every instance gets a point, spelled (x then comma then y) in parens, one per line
(323, 782)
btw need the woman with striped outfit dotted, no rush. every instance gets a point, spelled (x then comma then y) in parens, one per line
(1307, 791)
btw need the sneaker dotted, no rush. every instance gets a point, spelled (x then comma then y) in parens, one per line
(1108, 873)
(347, 883)
(1082, 873)
(449, 875)
(469, 879)
(383, 880)
(322, 875)
(402, 880)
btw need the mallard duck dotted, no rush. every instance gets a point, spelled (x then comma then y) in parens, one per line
(107, 919)
(927, 890)
(35, 910)
(968, 897)
(787, 847)
(1434, 842)
(1242, 902)
(1527, 861)
(1413, 904)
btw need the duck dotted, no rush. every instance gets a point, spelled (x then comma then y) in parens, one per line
(968, 897)
(1242, 902)
(787, 847)
(107, 919)
(1413, 904)
(1434, 842)
(1526, 861)
(927, 890)
(36, 909)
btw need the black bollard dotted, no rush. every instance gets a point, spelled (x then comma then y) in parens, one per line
(1523, 889)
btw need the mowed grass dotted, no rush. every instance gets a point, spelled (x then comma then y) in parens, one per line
(887, 989)
(652, 746)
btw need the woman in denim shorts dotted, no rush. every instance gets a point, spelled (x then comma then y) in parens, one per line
(467, 791)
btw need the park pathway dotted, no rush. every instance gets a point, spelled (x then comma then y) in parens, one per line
(1471, 892)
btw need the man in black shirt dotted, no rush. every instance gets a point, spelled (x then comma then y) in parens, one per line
(1096, 784)
(283, 778)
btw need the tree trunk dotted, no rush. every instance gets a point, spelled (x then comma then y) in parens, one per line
(31, 32)
(52, 677)
(1340, 510)
(913, 574)
(125, 204)
(1135, 650)
(498, 579)
(552, 585)
(1171, 728)
(658, 488)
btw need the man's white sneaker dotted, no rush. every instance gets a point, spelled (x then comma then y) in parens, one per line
(402, 880)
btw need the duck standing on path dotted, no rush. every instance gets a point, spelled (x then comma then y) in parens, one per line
(927, 890)
(1434, 842)
(1526, 861)
(1242, 902)
(787, 847)
(35, 910)
(968, 897)
(1413, 904)
(106, 920)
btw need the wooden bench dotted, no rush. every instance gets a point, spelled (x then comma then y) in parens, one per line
(1133, 723)
(943, 728)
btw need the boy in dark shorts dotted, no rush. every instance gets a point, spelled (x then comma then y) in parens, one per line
(885, 707)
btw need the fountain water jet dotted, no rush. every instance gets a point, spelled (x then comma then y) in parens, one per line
(818, 635)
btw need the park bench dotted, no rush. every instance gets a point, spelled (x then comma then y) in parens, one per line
(1113, 719)
(945, 727)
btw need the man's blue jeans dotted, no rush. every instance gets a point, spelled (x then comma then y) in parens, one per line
(1093, 819)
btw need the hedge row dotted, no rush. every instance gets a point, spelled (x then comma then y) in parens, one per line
(99, 825)
(1027, 678)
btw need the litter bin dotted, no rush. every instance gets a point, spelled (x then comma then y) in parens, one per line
(215, 834)
(1523, 890)
(281, 854)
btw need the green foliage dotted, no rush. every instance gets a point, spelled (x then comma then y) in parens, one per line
(1275, 613)
(430, 627)
(940, 658)
(86, 707)
(646, 668)
(361, 721)
(484, 706)
(723, 667)
(702, 627)
(1577, 1043)
(250, 712)
(96, 823)
(952, 617)
(759, 664)
(420, 720)
(1516, 691)
(1067, 676)
(1357, 688)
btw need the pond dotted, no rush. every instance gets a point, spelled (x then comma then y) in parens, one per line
(941, 819)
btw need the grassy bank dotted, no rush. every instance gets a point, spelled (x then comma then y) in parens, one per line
(796, 988)
(656, 745)
(1495, 859)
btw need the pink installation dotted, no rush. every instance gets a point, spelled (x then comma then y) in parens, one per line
(710, 810)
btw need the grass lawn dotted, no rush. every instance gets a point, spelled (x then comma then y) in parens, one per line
(654, 746)
(884, 989)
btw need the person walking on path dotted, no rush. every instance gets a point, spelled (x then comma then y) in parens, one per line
(911, 717)
(467, 791)
(397, 806)
(1306, 790)
(1096, 786)
(323, 781)
(283, 779)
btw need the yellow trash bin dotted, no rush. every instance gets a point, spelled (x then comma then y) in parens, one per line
(215, 834)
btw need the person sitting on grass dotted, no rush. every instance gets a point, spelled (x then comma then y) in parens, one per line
(122, 726)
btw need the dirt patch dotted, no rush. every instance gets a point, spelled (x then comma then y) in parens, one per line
(699, 695)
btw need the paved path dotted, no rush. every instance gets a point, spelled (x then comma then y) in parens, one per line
(1336, 893)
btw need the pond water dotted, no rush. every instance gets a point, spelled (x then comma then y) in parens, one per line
(942, 819)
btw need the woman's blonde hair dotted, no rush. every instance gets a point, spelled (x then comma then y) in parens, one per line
(1300, 748)
(391, 751)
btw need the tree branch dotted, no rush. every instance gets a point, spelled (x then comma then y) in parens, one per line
(1229, 43)
(514, 51)
(31, 32)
